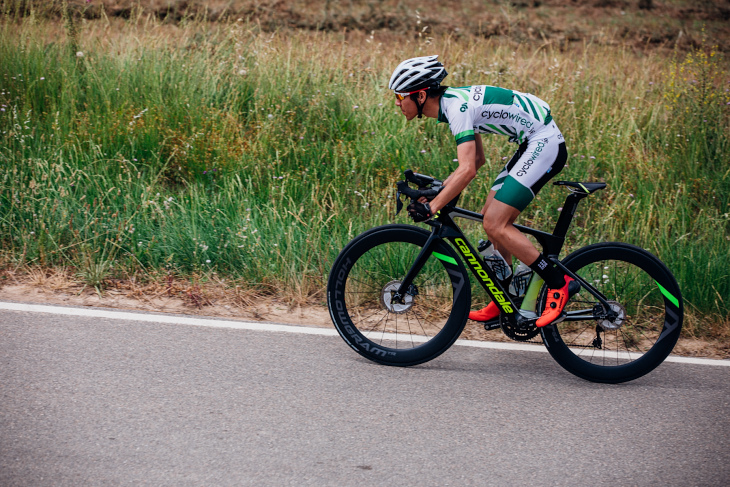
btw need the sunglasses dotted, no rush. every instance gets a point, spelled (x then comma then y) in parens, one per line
(402, 96)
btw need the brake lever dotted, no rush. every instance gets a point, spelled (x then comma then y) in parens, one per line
(399, 203)
(403, 188)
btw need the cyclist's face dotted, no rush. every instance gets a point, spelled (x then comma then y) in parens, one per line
(407, 107)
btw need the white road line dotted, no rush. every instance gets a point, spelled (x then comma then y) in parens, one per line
(161, 318)
(255, 326)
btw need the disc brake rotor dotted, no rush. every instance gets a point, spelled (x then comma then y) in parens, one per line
(386, 298)
(617, 322)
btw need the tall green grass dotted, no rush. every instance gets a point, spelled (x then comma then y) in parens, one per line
(196, 150)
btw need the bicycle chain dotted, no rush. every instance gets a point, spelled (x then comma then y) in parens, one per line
(533, 331)
(519, 333)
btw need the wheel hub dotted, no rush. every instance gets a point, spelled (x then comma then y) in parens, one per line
(388, 294)
(613, 323)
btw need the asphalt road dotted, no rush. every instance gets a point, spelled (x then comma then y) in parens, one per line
(96, 401)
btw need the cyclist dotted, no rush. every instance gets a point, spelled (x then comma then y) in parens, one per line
(483, 109)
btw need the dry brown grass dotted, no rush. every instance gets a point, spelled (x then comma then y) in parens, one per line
(207, 296)
(668, 23)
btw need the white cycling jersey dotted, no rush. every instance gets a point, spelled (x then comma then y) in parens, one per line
(522, 117)
(492, 110)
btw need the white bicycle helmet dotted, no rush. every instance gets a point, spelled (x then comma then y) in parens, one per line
(416, 74)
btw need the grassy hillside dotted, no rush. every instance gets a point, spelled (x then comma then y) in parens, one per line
(207, 144)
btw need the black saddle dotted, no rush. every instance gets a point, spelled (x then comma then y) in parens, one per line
(585, 187)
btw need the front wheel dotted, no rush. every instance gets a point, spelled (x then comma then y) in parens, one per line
(417, 328)
(636, 334)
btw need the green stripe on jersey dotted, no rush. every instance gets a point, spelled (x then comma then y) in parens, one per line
(534, 112)
(543, 115)
(464, 136)
(509, 130)
(462, 93)
(522, 102)
(494, 95)
(496, 129)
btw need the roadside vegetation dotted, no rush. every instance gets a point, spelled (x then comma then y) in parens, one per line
(153, 146)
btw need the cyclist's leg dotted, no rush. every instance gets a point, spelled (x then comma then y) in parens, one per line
(499, 218)
(514, 189)
(496, 186)
(540, 162)
(534, 163)
(491, 311)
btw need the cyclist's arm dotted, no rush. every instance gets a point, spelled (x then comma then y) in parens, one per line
(480, 159)
(471, 157)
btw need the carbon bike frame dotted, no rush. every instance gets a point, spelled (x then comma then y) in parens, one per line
(444, 227)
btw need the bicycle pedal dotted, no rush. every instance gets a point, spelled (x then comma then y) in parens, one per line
(491, 324)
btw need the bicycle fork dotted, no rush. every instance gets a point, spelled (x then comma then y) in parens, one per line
(406, 285)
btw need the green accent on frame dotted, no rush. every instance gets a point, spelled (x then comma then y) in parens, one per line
(445, 258)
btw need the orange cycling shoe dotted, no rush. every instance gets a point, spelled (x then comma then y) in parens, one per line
(556, 301)
(485, 314)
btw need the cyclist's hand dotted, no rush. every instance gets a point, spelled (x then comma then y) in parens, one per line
(420, 212)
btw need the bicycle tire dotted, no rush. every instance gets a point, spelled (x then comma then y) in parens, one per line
(650, 312)
(359, 289)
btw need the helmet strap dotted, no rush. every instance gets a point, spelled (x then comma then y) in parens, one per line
(420, 105)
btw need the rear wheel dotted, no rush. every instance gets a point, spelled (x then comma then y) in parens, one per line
(361, 288)
(636, 334)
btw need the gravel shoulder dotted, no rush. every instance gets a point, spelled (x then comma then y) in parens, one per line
(216, 299)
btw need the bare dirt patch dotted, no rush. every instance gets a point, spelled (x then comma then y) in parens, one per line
(216, 299)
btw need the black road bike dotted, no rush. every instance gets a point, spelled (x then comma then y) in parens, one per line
(400, 295)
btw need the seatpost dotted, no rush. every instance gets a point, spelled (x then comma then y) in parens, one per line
(566, 216)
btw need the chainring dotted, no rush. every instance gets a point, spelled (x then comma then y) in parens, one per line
(519, 333)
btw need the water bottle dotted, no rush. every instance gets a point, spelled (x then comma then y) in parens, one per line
(529, 302)
(494, 260)
(518, 286)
